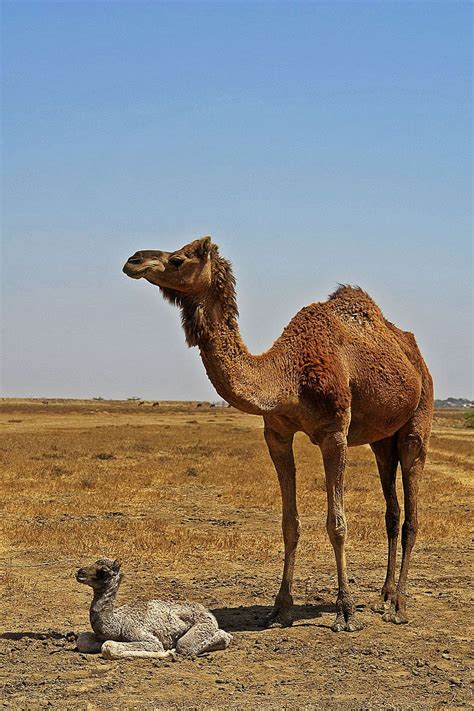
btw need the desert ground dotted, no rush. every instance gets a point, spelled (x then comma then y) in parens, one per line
(187, 497)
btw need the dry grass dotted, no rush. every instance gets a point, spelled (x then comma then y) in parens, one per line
(129, 484)
(189, 500)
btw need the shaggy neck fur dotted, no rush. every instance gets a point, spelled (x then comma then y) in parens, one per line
(210, 321)
(101, 612)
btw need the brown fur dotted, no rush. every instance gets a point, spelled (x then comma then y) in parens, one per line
(339, 372)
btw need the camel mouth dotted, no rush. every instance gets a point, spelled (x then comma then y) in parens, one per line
(138, 270)
(80, 577)
(134, 272)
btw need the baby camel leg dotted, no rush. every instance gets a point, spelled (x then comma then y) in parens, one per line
(203, 637)
(334, 448)
(134, 650)
(88, 643)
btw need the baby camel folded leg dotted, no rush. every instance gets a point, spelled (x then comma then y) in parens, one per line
(203, 637)
(134, 650)
(88, 643)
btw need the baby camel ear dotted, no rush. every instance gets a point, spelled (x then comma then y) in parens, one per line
(116, 565)
(204, 247)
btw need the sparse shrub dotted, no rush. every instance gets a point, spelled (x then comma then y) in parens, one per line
(88, 482)
(104, 456)
(57, 470)
(142, 447)
(469, 419)
(192, 471)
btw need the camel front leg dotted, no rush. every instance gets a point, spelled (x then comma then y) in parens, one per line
(334, 448)
(134, 650)
(280, 447)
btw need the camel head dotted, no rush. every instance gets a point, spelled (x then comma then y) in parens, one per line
(100, 574)
(195, 278)
(184, 272)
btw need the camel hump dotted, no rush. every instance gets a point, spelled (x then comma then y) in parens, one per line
(351, 303)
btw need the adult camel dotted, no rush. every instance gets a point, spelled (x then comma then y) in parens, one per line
(339, 372)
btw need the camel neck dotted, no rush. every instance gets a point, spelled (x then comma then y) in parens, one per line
(101, 612)
(210, 321)
(246, 381)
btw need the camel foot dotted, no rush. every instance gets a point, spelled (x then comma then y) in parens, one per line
(397, 611)
(381, 606)
(383, 603)
(396, 616)
(351, 624)
(279, 617)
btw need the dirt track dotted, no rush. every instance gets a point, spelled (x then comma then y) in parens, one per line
(223, 549)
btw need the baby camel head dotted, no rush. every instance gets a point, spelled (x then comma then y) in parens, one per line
(100, 574)
(184, 272)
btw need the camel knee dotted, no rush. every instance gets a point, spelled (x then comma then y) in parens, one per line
(411, 449)
(291, 531)
(336, 527)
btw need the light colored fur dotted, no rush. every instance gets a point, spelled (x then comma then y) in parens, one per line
(145, 629)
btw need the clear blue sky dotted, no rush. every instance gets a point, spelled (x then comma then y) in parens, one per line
(317, 142)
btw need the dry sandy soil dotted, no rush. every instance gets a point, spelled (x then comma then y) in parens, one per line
(188, 499)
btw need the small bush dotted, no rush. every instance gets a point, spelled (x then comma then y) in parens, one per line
(58, 471)
(469, 418)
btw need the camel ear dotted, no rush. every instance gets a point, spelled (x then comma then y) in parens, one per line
(116, 565)
(204, 247)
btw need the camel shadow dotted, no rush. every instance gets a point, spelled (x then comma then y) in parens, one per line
(252, 618)
(49, 634)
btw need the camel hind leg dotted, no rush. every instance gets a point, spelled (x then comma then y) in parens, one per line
(412, 445)
(203, 637)
(386, 455)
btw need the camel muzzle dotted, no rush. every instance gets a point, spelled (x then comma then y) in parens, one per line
(139, 263)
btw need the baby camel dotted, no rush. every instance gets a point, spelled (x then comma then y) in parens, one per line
(153, 628)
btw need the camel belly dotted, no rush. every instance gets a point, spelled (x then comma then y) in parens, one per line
(379, 414)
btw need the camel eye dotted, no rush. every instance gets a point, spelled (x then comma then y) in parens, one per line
(176, 261)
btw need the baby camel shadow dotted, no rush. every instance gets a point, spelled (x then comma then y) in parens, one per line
(252, 618)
